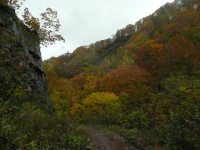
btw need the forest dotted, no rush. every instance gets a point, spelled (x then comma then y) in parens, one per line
(142, 83)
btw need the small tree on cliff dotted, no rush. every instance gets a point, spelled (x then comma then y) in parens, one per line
(47, 26)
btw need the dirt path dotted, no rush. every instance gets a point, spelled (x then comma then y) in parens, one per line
(106, 140)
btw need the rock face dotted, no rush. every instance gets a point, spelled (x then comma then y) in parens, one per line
(23, 46)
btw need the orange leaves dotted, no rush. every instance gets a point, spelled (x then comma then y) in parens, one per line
(186, 24)
(91, 82)
(161, 59)
(124, 79)
(179, 48)
(150, 56)
(78, 81)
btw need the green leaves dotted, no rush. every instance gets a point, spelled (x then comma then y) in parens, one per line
(176, 112)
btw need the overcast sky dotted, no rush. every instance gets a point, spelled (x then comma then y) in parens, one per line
(86, 21)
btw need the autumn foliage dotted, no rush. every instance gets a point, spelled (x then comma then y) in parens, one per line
(146, 78)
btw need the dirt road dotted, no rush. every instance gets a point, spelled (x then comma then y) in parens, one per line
(106, 140)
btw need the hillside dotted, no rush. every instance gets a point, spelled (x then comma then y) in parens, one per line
(27, 115)
(145, 79)
(157, 28)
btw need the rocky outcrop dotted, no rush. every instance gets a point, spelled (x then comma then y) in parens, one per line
(24, 52)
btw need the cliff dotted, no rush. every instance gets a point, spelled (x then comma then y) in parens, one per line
(20, 56)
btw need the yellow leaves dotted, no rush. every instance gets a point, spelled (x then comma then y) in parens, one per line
(34, 23)
(100, 98)
(97, 106)
(61, 90)
(76, 111)
(31, 21)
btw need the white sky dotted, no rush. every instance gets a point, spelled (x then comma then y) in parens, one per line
(86, 21)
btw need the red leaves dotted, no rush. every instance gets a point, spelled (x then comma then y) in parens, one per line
(124, 79)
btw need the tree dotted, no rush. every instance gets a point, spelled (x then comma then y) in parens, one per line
(31, 21)
(130, 80)
(125, 79)
(47, 26)
(177, 112)
(61, 91)
(50, 27)
(101, 107)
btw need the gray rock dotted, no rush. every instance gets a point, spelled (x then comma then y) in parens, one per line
(19, 39)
